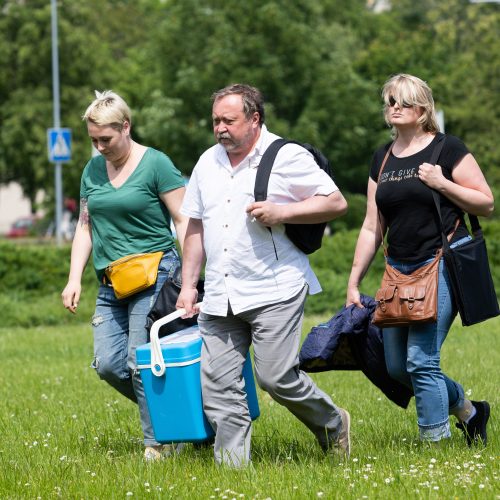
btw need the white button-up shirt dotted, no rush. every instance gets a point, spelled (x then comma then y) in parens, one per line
(241, 266)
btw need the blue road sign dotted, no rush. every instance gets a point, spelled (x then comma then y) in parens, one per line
(59, 144)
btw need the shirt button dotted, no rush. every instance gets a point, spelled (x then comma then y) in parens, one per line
(225, 249)
(228, 201)
(226, 275)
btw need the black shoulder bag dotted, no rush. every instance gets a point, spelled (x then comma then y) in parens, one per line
(470, 275)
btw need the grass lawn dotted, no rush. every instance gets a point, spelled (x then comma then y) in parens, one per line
(67, 434)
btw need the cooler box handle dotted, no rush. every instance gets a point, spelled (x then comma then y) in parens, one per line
(157, 361)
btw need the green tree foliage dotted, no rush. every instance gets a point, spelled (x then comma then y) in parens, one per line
(24, 93)
(319, 64)
(92, 55)
(300, 54)
(470, 90)
(454, 46)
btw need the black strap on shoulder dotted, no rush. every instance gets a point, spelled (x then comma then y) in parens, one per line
(437, 150)
(474, 221)
(435, 195)
(264, 172)
(265, 167)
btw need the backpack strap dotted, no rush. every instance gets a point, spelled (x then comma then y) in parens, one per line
(265, 167)
(263, 174)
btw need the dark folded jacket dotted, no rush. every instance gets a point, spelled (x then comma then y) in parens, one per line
(349, 341)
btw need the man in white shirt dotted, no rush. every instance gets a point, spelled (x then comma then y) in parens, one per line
(256, 281)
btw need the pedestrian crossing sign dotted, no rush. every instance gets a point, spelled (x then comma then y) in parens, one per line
(59, 144)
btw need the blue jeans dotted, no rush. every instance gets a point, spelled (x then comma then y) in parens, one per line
(119, 327)
(413, 354)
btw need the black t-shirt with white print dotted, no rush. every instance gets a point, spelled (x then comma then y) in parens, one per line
(407, 205)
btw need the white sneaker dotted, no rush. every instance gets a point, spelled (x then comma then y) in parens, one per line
(341, 447)
(155, 453)
(343, 443)
(152, 453)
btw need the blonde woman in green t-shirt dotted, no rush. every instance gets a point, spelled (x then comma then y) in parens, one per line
(128, 197)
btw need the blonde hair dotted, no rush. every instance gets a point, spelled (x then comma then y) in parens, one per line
(108, 109)
(411, 90)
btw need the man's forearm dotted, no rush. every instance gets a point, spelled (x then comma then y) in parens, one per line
(315, 209)
(193, 253)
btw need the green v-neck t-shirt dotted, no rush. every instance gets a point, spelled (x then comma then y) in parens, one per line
(132, 218)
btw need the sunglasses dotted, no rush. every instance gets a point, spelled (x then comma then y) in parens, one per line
(392, 103)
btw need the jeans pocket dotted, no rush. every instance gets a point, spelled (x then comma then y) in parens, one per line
(169, 263)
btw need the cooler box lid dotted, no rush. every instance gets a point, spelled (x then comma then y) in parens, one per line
(179, 348)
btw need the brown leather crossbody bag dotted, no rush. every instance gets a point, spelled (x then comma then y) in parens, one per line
(405, 299)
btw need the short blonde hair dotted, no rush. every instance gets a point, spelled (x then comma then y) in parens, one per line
(411, 90)
(108, 109)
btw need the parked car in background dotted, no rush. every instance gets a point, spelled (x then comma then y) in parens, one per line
(22, 227)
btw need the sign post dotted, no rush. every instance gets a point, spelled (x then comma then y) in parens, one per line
(59, 144)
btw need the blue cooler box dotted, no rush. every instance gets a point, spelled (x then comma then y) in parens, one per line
(174, 398)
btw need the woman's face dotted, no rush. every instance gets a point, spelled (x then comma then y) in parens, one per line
(401, 114)
(111, 143)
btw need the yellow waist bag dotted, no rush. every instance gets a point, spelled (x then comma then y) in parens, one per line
(133, 273)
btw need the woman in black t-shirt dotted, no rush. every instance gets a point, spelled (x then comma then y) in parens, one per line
(408, 213)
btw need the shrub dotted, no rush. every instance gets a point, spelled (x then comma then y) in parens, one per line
(354, 216)
(39, 268)
(332, 265)
(32, 277)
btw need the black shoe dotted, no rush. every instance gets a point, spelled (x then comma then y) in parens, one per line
(475, 430)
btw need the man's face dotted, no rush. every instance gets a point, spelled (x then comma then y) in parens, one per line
(232, 129)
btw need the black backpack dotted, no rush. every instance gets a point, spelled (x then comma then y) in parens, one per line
(306, 237)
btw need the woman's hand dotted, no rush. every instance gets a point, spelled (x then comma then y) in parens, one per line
(80, 253)
(353, 297)
(468, 189)
(71, 295)
(368, 242)
(431, 175)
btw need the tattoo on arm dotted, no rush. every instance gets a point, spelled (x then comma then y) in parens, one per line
(84, 219)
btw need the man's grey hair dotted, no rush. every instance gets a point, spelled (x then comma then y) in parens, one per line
(251, 97)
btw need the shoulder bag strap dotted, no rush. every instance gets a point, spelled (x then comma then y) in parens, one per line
(384, 161)
(474, 221)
